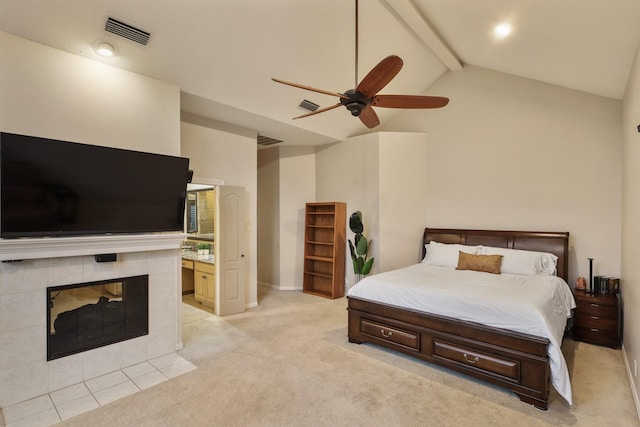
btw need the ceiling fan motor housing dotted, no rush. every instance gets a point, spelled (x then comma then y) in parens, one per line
(355, 102)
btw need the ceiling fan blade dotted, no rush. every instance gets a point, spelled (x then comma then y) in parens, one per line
(320, 110)
(380, 76)
(409, 101)
(369, 117)
(313, 89)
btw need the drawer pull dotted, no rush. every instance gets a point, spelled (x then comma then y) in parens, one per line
(595, 305)
(595, 317)
(474, 360)
(384, 334)
(595, 330)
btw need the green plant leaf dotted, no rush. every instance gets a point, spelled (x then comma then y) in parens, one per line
(362, 246)
(355, 222)
(359, 265)
(366, 268)
(352, 250)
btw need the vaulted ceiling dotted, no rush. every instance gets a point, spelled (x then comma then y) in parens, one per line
(222, 53)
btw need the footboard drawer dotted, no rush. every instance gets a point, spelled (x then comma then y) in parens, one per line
(390, 334)
(508, 369)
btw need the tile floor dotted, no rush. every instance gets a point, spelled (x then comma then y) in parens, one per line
(68, 402)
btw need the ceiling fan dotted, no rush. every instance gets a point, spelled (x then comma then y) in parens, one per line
(360, 101)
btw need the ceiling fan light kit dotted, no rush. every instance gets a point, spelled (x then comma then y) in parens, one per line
(360, 100)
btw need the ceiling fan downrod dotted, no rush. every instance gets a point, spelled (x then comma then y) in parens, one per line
(356, 79)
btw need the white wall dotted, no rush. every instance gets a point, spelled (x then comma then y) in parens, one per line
(268, 216)
(348, 172)
(402, 203)
(382, 175)
(513, 153)
(297, 186)
(49, 93)
(286, 181)
(221, 155)
(630, 278)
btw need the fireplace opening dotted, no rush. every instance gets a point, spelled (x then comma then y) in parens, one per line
(88, 315)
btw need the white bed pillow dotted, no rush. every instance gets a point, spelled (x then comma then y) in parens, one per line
(446, 255)
(529, 263)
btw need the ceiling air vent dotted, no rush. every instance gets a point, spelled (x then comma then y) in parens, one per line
(266, 140)
(308, 105)
(127, 31)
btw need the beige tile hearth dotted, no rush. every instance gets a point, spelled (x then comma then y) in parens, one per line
(68, 402)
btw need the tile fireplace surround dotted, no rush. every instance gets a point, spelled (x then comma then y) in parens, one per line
(24, 370)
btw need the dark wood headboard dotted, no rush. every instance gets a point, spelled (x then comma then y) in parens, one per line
(556, 243)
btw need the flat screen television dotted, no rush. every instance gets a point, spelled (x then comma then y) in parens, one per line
(51, 188)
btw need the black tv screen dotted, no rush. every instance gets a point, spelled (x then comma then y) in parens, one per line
(56, 188)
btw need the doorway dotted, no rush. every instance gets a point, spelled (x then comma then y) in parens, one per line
(213, 267)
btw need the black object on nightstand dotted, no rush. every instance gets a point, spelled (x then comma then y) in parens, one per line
(596, 319)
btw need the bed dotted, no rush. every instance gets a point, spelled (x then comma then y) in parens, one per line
(524, 361)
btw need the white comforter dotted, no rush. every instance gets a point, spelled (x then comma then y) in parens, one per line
(536, 305)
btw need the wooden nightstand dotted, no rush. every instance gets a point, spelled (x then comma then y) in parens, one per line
(596, 318)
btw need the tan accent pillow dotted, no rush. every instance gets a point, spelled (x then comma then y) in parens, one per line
(486, 263)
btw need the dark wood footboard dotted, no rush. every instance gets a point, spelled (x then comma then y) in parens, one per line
(510, 359)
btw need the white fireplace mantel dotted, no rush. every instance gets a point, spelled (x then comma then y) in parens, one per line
(55, 247)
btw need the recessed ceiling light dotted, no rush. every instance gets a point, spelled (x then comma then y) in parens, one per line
(105, 49)
(502, 30)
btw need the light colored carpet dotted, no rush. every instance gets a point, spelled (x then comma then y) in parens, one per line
(287, 362)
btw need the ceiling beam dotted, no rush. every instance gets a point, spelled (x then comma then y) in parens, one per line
(407, 13)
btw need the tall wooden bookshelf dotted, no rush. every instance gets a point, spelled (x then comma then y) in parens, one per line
(324, 249)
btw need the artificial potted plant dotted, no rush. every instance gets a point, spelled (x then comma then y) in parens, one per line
(203, 248)
(359, 247)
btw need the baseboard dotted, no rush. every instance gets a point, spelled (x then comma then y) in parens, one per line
(280, 288)
(632, 382)
(287, 288)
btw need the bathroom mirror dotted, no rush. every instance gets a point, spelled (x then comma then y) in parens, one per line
(192, 213)
(200, 211)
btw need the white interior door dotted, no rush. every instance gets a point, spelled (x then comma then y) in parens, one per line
(230, 298)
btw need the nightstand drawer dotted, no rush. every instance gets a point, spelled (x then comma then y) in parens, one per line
(597, 309)
(596, 336)
(595, 321)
